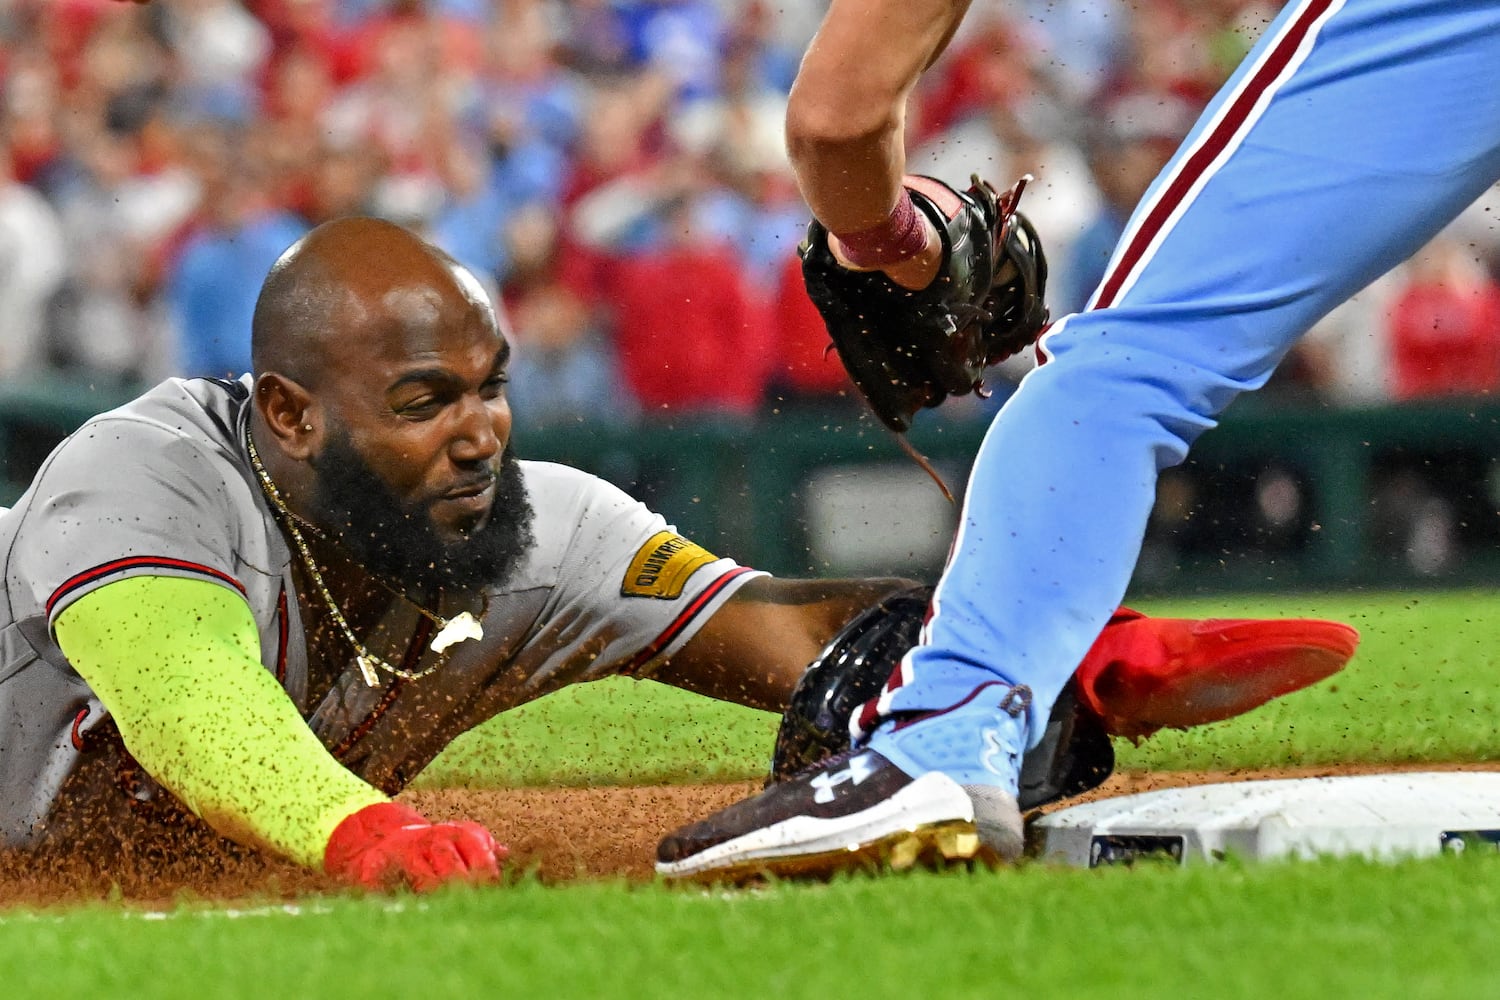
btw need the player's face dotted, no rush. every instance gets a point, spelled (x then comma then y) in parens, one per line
(427, 413)
(352, 501)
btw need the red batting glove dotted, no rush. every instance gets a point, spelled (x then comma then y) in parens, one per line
(387, 845)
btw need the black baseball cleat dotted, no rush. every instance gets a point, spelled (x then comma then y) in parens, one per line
(857, 811)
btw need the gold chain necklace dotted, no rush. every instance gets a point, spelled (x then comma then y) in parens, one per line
(450, 630)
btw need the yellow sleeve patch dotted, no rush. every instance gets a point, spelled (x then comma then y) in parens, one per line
(662, 566)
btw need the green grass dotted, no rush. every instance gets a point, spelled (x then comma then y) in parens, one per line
(612, 732)
(1422, 688)
(1425, 686)
(1315, 930)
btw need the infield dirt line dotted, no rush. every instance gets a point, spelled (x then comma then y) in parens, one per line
(561, 835)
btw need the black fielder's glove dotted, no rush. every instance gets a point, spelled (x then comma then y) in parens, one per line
(1073, 756)
(905, 349)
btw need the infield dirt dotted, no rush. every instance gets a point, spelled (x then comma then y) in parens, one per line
(560, 834)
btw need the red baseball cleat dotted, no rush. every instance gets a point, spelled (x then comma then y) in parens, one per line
(1145, 674)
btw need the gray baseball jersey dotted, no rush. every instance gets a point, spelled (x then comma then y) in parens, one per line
(163, 486)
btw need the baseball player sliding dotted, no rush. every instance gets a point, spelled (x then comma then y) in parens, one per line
(266, 604)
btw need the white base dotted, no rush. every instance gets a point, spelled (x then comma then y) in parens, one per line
(1382, 816)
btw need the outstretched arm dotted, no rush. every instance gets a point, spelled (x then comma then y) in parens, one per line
(176, 663)
(756, 647)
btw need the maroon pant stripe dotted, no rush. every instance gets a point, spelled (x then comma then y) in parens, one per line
(1192, 169)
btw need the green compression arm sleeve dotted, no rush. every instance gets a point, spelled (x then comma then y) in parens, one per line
(176, 662)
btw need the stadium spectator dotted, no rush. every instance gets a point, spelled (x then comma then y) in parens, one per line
(677, 40)
(1081, 42)
(339, 182)
(992, 109)
(125, 192)
(214, 281)
(690, 335)
(526, 106)
(564, 370)
(1445, 325)
(221, 53)
(111, 323)
(299, 90)
(1347, 353)
(460, 117)
(610, 178)
(31, 270)
(446, 36)
(1131, 137)
(311, 28)
(752, 201)
(539, 249)
(806, 372)
(30, 116)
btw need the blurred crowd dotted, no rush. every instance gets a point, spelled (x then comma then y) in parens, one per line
(615, 170)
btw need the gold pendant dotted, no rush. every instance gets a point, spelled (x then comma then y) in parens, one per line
(459, 628)
(367, 668)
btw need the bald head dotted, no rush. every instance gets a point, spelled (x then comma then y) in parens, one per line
(350, 287)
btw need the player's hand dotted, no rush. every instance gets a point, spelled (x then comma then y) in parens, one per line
(388, 845)
(906, 349)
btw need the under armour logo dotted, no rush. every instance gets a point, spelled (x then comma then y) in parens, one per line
(858, 770)
(996, 756)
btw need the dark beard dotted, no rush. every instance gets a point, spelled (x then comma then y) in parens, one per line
(359, 512)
